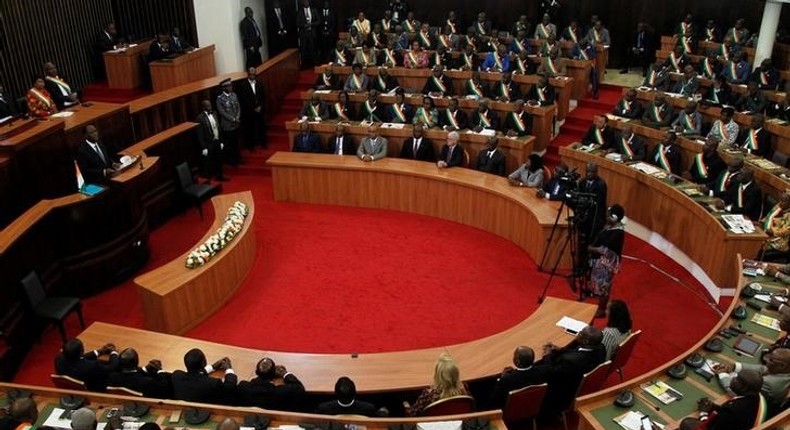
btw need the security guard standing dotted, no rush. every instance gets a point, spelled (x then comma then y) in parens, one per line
(229, 111)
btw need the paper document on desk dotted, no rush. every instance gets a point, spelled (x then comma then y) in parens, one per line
(632, 420)
(738, 223)
(663, 392)
(64, 114)
(766, 321)
(127, 425)
(393, 125)
(440, 425)
(646, 168)
(571, 325)
(322, 91)
(54, 420)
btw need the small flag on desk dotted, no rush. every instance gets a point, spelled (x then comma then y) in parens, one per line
(80, 181)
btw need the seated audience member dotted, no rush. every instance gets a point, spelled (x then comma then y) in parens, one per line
(667, 155)
(401, 37)
(745, 197)
(384, 82)
(150, 380)
(160, 49)
(522, 374)
(418, 147)
(541, 94)
(553, 66)
(22, 414)
(427, 115)
(196, 384)
(519, 122)
(781, 108)
(265, 390)
(314, 109)
(738, 33)
(74, 362)
(566, 368)
(545, 28)
(340, 55)
(688, 121)
(484, 117)
(521, 43)
(628, 145)
(424, 37)
(327, 80)
(453, 118)
(439, 84)
(468, 60)
(448, 39)
(726, 51)
(688, 43)
(95, 160)
(451, 155)
(599, 133)
(39, 102)
(506, 90)
(657, 76)
(340, 143)
(482, 26)
(521, 64)
(677, 60)
(766, 75)
(342, 110)
(362, 24)
(366, 57)
(306, 140)
(547, 45)
(556, 187)
(177, 42)
(357, 81)
(377, 38)
(658, 113)
(572, 33)
(497, 61)
(709, 67)
(400, 112)
(737, 69)
(355, 40)
(723, 184)
(388, 23)
(373, 147)
(416, 58)
(446, 383)
(391, 56)
(742, 412)
(718, 94)
(491, 159)
(411, 25)
(688, 83)
(83, 419)
(776, 224)
(475, 87)
(346, 402)
(707, 165)
(529, 174)
(753, 101)
(60, 91)
(711, 32)
(725, 128)
(8, 106)
(618, 327)
(371, 110)
(756, 139)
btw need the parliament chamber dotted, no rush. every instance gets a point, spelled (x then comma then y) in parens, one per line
(84, 242)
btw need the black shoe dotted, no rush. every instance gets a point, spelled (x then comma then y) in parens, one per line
(623, 71)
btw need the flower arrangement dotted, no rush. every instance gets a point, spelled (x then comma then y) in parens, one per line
(215, 243)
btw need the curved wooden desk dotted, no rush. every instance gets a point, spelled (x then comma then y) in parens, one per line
(596, 411)
(176, 299)
(682, 223)
(372, 373)
(454, 194)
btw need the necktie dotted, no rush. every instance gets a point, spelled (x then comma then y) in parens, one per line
(339, 146)
(99, 152)
(450, 154)
(307, 13)
(416, 147)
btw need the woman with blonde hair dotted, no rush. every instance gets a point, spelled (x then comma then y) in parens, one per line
(446, 383)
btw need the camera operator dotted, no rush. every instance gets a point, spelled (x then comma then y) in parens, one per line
(558, 186)
(590, 225)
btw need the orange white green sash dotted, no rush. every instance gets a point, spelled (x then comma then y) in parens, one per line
(340, 111)
(724, 181)
(547, 48)
(709, 33)
(625, 106)
(675, 61)
(685, 28)
(700, 167)
(425, 40)
(721, 130)
(688, 122)
(751, 141)
(762, 411)
(519, 45)
(725, 53)
(769, 219)
(541, 94)
(438, 83)
(356, 81)
(60, 83)
(340, 57)
(599, 136)
(484, 121)
(733, 70)
(521, 66)
(371, 109)
(498, 62)
(656, 113)
(518, 121)
(470, 84)
(583, 54)
(444, 40)
(314, 111)
(652, 79)
(572, 33)
(412, 59)
(365, 58)
(437, 59)
(41, 97)
(661, 157)
(625, 145)
(763, 78)
(471, 42)
(504, 90)
(327, 79)
(424, 114)
(452, 26)
(468, 61)
(390, 56)
(382, 84)
(736, 36)
(740, 196)
(408, 26)
(550, 65)
(451, 118)
(543, 31)
(686, 41)
(398, 109)
(358, 25)
(708, 68)
(480, 28)
(596, 36)
(376, 41)
(385, 25)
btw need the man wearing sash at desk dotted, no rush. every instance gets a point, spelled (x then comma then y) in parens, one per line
(585, 51)
(725, 128)
(726, 50)
(628, 107)
(519, 122)
(748, 409)
(689, 121)
(327, 81)
(362, 24)
(571, 33)
(448, 38)
(314, 109)
(410, 25)
(766, 75)
(521, 43)
(598, 34)
(744, 198)
(418, 147)
(541, 94)
(776, 224)
(60, 91)
(756, 139)
(658, 76)
(666, 154)
(677, 60)
(452, 23)
(484, 118)
(753, 101)
(438, 84)
(400, 112)
(599, 133)
(707, 165)
(709, 67)
(453, 118)
(738, 33)
(391, 56)
(468, 60)
(475, 87)
(384, 82)
(522, 24)
(366, 57)
(357, 81)
(686, 27)
(387, 23)
(547, 45)
(721, 185)
(506, 90)
(736, 70)
(371, 110)
(522, 64)
(658, 113)
(553, 66)
(497, 61)
(441, 58)
(545, 28)
(688, 84)
(424, 36)
(340, 55)
(628, 145)
(711, 32)
(482, 26)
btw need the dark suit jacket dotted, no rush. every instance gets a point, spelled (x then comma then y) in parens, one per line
(321, 85)
(307, 111)
(510, 123)
(498, 91)
(104, 42)
(456, 158)
(634, 112)
(424, 153)
(549, 94)
(752, 201)
(715, 165)
(178, 44)
(57, 96)
(301, 19)
(607, 134)
(494, 164)
(306, 143)
(764, 148)
(390, 83)
(249, 37)
(735, 414)
(460, 118)
(157, 52)
(431, 86)
(156, 385)
(348, 145)
(357, 408)
(7, 106)
(91, 165)
(673, 157)
(514, 380)
(249, 100)
(565, 370)
(199, 387)
(204, 132)
(264, 394)
(87, 369)
(493, 117)
(637, 146)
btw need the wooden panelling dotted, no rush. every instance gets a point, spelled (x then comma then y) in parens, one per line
(190, 67)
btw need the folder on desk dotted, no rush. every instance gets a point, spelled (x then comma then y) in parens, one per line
(91, 189)
(662, 391)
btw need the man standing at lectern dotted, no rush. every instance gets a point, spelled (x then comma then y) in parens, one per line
(94, 159)
(251, 39)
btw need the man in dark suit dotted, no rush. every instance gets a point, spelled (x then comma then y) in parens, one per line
(74, 362)
(308, 21)
(438, 84)
(744, 198)
(491, 160)
(61, 92)
(345, 402)
(7, 105)
(229, 111)
(177, 42)
(541, 94)
(593, 184)
(95, 160)
(328, 29)
(708, 165)
(556, 187)
(418, 147)
(453, 118)
(160, 49)
(151, 380)
(262, 391)
(195, 385)
(253, 113)
(522, 374)
(738, 413)
(210, 141)
(629, 145)
(667, 155)
(106, 40)
(519, 122)
(641, 52)
(306, 140)
(341, 143)
(280, 27)
(629, 106)
(756, 139)
(566, 367)
(251, 39)
(599, 133)
(452, 155)
(484, 118)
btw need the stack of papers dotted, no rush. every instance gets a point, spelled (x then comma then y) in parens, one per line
(393, 125)
(62, 114)
(440, 425)
(766, 321)
(631, 420)
(738, 223)
(646, 168)
(571, 325)
(663, 392)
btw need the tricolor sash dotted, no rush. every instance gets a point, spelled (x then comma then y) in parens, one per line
(519, 46)
(541, 94)
(686, 41)
(763, 78)
(521, 66)
(709, 33)
(468, 61)
(596, 36)
(376, 41)
(724, 181)
(327, 80)
(599, 136)
(675, 61)
(573, 35)
(60, 84)
(688, 122)
(412, 58)
(656, 113)
(762, 411)
(408, 26)
(583, 54)
(451, 118)
(733, 70)
(452, 26)
(751, 141)
(543, 31)
(684, 28)
(340, 111)
(390, 57)
(426, 119)
(382, 84)
(41, 97)
(498, 62)
(769, 219)
(365, 58)
(661, 157)
(625, 106)
(480, 28)
(385, 25)
(518, 121)
(437, 59)
(736, 37)
(504, 90)
(439, 84)
(724, 51)
(722, 131)
(550, 65)
(356, 81)
(371, 110)
(715, 96)
(708, 68)
(358, 25)
(399, 112)
(470, 84)
(652, 79)
(700, 167)
(314, 111)
(340, 58)
(469, 41)
(444, 40)
(484, 121)
(425, 40)
(625, 145)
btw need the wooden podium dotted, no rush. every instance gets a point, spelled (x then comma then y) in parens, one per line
(189, 67)
(125, 67)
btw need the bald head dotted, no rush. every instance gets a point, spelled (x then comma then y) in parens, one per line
(778, 361)
(590, 336)
(265, 368)
(24, 410)
(747, 383)
(228, 424)
(523, 356)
